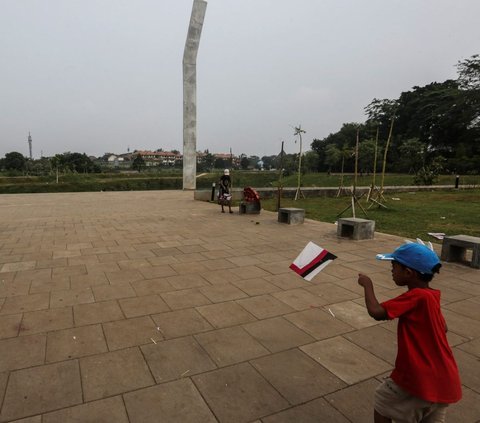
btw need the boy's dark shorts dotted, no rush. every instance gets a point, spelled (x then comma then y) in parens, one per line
(393, 402)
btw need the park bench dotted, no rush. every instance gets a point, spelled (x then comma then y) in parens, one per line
(355, 228)
(454, 249)
(291, 215)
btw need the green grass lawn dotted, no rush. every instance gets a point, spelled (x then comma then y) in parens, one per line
(412, 215)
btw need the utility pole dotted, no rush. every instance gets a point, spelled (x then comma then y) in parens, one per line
(299, 131)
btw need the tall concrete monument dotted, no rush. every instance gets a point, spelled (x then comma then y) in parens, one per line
(190, 94)
(30, 145)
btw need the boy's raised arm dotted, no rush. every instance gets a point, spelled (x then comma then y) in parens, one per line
(373, 306)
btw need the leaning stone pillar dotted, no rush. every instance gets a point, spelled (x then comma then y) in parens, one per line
(190, 94)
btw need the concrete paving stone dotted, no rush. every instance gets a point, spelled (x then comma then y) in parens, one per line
(346, 360)
(24, 303)
(376, 340)
(176, 358)
(469, 368)
(184, 299)
(277, 334)
(223, 292)
(82, 260)
(111, 257)
(41, 389)
(257, 286)
(89, 314)
(114, 373)
(239, 394)
(71, 297)
(141, 306)
(265, 306)
(51, 263)
(372, 268)
(249, 260)
(154, 272)
(332, 293)
(11, 289)
(113, 292)
(18, 266)
(318, 323)
(186, 258)
(10, 325)
(78, 269)
(187, 281)
(134, 264)
(218, 277)
(225, 314)
(277, 268)
(467, 409)
(187, 249)
(131, 333)
(85, 281)
(21, 352)
(151, 286)
(137, 254)
(57, 284)
(249, 272)
(160, 261)
(102, 268)
(312, 412)
(74, 343)
(299, 299)
(33, 275)
(78, 245)
(286, 281)
(34, 419)
(94, 250)
(46, 320)
(124, 276)
(58, 254)
(466, 308)
(168, 251)
(353, 314)
(471, 347)
(181, 323)
(6, 257)
(120, 250)
(356, 401)
(218, 264)
(175, 402)
(296, 376)
(231, 345)
(451, 295)
(188, 267)
(109, 410)
(217, 253)
(462, 325)
(340, 271)
(455, 339)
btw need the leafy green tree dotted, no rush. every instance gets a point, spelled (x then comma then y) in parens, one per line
(138, 163)
(333, 157)
(15, 161)
(412, 155)
(310, 162)
(366, 155)
(244, 162)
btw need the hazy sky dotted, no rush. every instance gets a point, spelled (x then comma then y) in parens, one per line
(100, 76)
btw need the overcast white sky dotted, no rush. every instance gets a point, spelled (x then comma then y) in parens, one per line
(100, 76)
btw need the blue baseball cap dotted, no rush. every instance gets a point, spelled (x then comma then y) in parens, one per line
(415, 256)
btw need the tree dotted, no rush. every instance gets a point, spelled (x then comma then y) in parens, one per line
(333, 157)
(244, 162)
(220, 164)
(138, 163)
(14, 161)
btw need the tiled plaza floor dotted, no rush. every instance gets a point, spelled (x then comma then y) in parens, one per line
(147, 307)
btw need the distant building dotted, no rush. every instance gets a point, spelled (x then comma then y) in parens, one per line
(160, 158)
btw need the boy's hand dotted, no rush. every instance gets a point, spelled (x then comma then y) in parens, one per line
(364, 280)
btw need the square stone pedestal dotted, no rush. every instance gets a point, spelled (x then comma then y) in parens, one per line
(454, 248)
(355, 228)
(249, 207)
(291, 215)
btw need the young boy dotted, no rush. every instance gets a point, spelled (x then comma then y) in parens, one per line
(425, 378)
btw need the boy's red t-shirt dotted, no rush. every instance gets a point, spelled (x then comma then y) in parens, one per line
(425, 366)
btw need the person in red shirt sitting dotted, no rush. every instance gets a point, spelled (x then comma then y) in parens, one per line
(425, 378)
